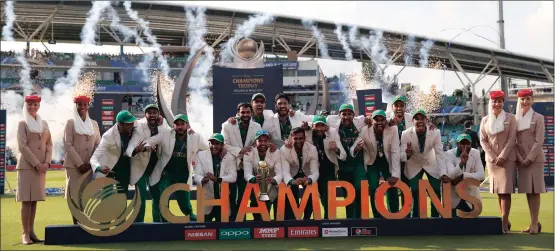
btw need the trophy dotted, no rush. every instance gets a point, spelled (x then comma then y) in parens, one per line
(264, 172)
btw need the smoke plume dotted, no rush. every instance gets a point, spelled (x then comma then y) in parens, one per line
(199, 107)
(343, 40)
(127, 32)
(87, 38)
(424, 53)
(7, 35)
(409, 48)
(320, 38)
(150, 38)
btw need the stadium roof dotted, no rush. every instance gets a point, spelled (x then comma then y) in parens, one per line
(169, 25)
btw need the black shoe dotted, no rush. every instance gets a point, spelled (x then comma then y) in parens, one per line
(192, 217)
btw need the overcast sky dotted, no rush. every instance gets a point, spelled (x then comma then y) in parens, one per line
(528, 28)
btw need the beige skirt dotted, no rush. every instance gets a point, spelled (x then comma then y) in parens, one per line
(531, 178)
(31, 185)
(72, 177)
(502, 179)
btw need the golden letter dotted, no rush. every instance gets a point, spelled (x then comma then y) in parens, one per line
(443, 209)
(223, 202)
(462, 191)
(333, 203)
(364, 200)
(285, 193)
(380, 205)
(244, 207)
(165, 201)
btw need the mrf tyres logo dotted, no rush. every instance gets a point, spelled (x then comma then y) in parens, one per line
(269, 233)
(302, 232)
(235, 234)
(364, 231)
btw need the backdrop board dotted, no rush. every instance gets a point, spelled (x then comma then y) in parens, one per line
(104, 110)
(369, 101)
(545, 109)
(3, 118)
(233, 86)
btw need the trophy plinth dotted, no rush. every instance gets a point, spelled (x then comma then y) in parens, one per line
(263, 171)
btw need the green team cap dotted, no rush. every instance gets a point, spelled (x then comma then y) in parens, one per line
(217, 137)
(378, 113)
(258, 95)
(464, 136)
(125, 117)
(346, 107)
(180, 117)
(260, 133)
(419, 111)
(153, 106)
(319, 119)
(400, 98)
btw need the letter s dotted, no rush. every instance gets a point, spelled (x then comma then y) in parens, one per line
(463, 192)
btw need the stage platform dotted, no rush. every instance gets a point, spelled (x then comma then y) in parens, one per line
(151, 232)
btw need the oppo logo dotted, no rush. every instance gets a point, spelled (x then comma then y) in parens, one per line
(235, 233)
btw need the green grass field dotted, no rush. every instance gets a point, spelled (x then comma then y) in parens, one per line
(55, 212)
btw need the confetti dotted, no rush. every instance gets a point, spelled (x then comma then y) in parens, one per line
(86, 85)
(429, 102)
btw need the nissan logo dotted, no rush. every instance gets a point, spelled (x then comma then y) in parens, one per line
(235, 233)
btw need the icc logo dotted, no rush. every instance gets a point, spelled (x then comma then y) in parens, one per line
(511, 108)
(100, 209)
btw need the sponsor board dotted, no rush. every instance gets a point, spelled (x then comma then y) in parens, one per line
(107, 102)
(200, 234)
(370, 108)
(364, 231)
(104, 118)
(107, 113)
(335, 232)
(302, 232)
(369, 98)
(107, 108)
(235, 234)
(269, 233)
(108, 123)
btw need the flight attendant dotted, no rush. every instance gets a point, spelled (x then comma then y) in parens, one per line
(81, 136)
(498, 138)
(35, 147)
(530, 156)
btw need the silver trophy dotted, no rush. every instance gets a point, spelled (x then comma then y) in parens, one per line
(264, 172)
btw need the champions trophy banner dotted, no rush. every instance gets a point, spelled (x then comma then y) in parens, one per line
(233, 86)
(545, 109)
(369, 101)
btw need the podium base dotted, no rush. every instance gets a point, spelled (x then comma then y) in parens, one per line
(151, 232)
